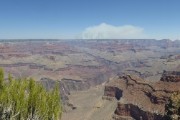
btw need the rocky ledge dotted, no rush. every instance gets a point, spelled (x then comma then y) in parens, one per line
(171, 76)
(130, 111)
(139, 99)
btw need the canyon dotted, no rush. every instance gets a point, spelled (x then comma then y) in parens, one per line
(100, 79)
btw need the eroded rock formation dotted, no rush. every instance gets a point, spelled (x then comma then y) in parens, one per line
(130, 110)
(140, 99)
(171, 76)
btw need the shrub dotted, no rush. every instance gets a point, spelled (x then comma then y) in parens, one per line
(173, 107)
(24, 99)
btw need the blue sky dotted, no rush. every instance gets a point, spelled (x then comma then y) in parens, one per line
(90, 19)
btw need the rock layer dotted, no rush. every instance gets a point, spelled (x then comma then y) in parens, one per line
(126, 110)
(140, 99)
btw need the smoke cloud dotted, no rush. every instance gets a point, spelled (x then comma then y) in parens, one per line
(107, 31)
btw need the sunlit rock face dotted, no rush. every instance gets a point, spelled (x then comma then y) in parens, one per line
(142, 99)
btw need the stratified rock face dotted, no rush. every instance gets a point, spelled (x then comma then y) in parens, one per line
(140, 99)
(113, 92)
(75, 85)
(123, 110)
(135, 112)
(171, 76)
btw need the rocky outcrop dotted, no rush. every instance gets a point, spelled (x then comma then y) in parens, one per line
(86, 83)
(75, 85)
(127, 110)
(171, 76)
(113, 92)
(142, 75)
(140, 99)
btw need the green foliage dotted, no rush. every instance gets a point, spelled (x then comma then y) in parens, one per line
(1, 78)
(10, 77)
(24, 99)
(173, 107)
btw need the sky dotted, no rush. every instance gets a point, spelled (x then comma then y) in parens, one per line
(89, 19)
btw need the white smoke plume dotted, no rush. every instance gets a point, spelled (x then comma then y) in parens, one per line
(106, 31)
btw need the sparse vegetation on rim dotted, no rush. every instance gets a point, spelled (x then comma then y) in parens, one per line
(173, 107)
(24, 99)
